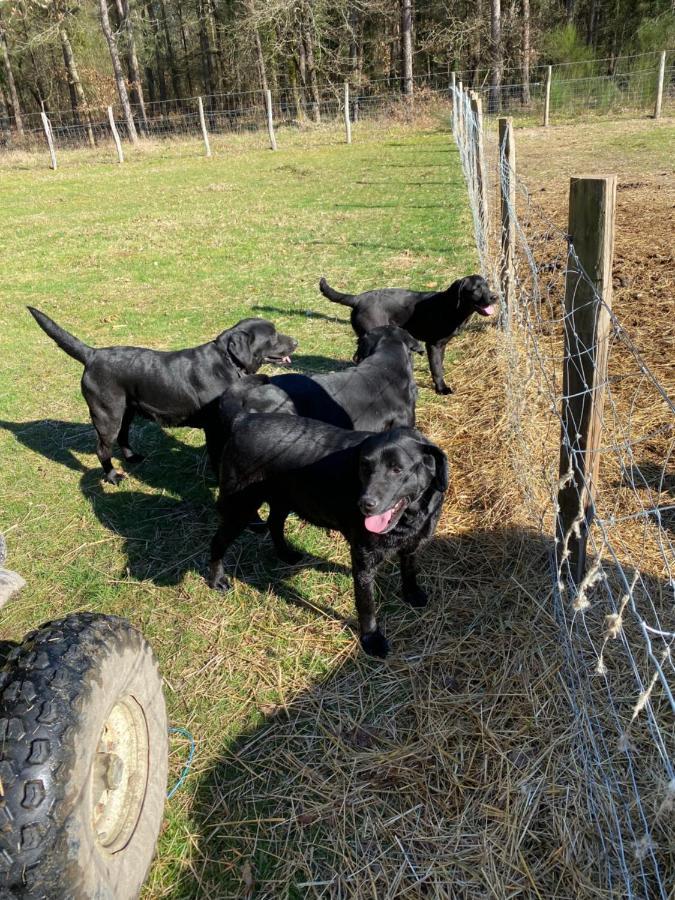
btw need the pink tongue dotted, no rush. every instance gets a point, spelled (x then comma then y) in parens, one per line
(378, 523)
(286, 359)
(486, 310)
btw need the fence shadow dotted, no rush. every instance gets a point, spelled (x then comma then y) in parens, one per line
(647, 474)
(342, 751)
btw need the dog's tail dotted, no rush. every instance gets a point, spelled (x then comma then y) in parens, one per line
(67, 342)
(336, 296)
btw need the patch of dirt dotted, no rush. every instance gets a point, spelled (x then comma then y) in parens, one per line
(644, 254)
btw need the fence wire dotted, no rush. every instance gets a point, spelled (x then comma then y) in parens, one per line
(576, 90)
(618, 623)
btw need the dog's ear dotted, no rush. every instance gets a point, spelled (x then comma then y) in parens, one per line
(364, 347)
(437, 462)
(239, 348)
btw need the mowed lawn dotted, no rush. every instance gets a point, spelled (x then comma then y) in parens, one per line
(167, 251)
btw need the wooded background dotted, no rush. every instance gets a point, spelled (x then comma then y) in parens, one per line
(81, 54)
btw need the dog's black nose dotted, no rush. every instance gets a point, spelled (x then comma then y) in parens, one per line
(368, 504)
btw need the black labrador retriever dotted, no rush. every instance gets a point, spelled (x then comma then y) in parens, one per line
(377, 394)
(169, 387)
(383, 492)
(430, 316)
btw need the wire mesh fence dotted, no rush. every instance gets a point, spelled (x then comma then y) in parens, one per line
(575, 90)
(618, 619)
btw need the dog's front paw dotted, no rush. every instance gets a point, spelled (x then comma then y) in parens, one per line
(375, 644)
(220, 583)
(134, 458)
(417, 598)
(114, 476)
(443, 389)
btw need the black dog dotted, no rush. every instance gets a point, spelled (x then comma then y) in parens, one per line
(378, 394)
(169, 387)
(383, 492)
(433, 316)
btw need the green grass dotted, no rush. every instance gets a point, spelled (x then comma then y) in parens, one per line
(166, 251)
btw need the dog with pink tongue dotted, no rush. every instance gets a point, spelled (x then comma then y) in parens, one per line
(382, 491)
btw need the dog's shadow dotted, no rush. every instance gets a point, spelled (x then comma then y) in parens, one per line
(166, 537)
(55, 440)
(166, 533)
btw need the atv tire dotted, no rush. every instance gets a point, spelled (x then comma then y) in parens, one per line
(83, 761)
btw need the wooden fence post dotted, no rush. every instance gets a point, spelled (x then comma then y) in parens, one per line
(659, 85)
(460, 112)
(588, 299)
(348, 124)
(270, 120)
(202, 121)
(116, 137)
(479, 163)
(547, 95)
(453, 113)
(506, 169)
(46, 124)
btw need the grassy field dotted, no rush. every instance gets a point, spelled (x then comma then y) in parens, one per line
(166, 252)
(453, 769)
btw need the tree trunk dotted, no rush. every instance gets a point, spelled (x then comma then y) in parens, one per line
(205, 49)
(526, 53)
(394, 54)
(476, 55)
(11, 84)
(153, 21)
(260, 58)
(295, 88)
(217, 43)
(74, 83)
(592, 22)
(300, 63)
(170, 55)
(132, 59)
(569, 11)
(184, 43)
(355, 58)
(309, 57)
(497, 55)
(4, 117)
(117, 69)
(39, 90)
(406, 47)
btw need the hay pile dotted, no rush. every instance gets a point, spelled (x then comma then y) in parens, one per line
(449, 770)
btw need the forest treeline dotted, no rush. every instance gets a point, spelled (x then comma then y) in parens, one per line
(84, 54)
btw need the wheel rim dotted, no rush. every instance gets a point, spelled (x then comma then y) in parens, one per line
(120, 775)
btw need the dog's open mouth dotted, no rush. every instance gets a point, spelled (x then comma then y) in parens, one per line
(385, 521)
(485, 310)
(279, 360)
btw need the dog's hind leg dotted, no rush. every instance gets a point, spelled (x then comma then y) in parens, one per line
(123, 438)
(275, 522)
(107, 422)
(363, 573)
(435, 354)
(412, 592)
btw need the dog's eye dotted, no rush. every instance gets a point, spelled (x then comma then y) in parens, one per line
(396, 470)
